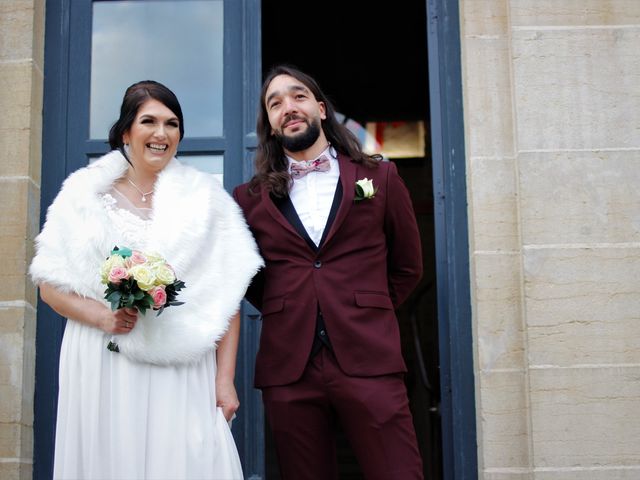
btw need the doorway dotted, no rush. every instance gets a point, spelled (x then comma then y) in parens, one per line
(373, 64)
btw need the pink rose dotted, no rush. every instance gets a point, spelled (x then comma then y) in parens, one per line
(159, 296)
(117, 274)
(137, 258)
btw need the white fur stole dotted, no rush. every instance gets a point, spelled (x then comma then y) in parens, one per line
(195, 225)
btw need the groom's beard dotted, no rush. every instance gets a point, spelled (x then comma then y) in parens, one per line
(301, 141)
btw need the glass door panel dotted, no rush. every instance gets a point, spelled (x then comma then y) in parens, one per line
(177, 43)
(207, 163)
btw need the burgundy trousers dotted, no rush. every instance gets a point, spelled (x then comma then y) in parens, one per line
(373, 411)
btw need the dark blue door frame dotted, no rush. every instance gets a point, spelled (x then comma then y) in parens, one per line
(250, 421)
(61, 155)
(452, 247)
(54, 169)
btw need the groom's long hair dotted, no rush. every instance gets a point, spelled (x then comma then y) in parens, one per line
(270, 161)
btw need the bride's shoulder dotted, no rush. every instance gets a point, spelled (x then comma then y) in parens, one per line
(98, 175)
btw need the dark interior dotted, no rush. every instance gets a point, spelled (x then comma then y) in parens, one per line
(371, 60)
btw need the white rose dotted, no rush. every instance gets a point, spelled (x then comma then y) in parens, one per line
(367, 187)
(144, 276)
(164, 274)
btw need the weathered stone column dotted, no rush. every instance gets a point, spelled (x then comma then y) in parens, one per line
(504, 434)
(21, 86)
(552, 114)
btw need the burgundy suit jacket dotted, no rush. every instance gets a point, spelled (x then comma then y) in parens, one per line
(368, 263)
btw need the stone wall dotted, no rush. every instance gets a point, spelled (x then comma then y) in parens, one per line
(552, 120)
(21, 85)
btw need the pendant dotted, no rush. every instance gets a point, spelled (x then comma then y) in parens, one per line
(144, 199)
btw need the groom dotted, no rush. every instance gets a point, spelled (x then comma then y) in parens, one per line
(339, 238)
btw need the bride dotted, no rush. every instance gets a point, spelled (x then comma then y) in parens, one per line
(159, 408)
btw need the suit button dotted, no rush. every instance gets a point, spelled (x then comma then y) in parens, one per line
(317, 264)
(323, 333)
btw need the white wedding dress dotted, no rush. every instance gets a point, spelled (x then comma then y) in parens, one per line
(119, 419)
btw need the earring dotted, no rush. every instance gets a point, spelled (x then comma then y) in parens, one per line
(126, 149)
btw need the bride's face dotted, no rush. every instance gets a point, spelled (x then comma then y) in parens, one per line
(153, 137)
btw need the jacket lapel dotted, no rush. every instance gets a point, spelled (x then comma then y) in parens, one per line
(275, 212)
(283, 211)
(348, 182)
(289, 212)
(337, 199)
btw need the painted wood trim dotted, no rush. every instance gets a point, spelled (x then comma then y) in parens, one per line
(452, 249)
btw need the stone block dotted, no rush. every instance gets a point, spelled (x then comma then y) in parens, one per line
(585, 417)
(14, 277)
(592, 473)
(16, 107)
(30, 290)
(493, 205)
(579, 197)
(12, 320)
(484, 17)
(576, 88)
(26, 471)
(38, 33)
(14, 196)
(14, 199)
(487, 97)
(582, 306)
(20, 199)
(28, 370)
(551, 13)
(26, 442)
(35, 144)
(504, 420)
(9, 440)
(507, 474)
(498, 312)
(10, 471)
(11, 407)
(11, 363)
(16, 30)
(14, 151)
(33, 211)
(21, 135)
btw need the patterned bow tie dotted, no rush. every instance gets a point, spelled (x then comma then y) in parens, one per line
(300, 169)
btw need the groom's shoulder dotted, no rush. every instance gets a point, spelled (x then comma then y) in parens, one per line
(246, 194)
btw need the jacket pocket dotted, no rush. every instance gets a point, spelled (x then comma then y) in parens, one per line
(274, 305)
(375, 300)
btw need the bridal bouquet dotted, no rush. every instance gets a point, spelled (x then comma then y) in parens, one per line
(139, 280)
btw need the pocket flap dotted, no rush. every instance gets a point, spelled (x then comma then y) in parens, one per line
(376, 300)
(272, 306)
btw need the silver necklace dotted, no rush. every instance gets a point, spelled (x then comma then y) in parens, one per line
(144, 195)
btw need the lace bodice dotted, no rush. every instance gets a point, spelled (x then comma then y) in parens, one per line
(130, 222)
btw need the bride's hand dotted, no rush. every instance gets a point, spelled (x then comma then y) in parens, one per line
(89, 311)
(227, 398)
(119, 322)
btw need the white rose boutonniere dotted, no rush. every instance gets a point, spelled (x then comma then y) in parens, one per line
(365, 190)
